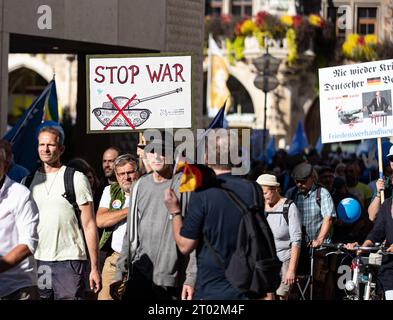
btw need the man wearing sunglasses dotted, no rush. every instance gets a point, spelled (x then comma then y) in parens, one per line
(150, 263)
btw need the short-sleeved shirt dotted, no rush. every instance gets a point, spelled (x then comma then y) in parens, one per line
(286, 234)
(60, 237)
(119, 229)
(213, 214)
(312, 214)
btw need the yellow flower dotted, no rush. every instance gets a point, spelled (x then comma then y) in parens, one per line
(370, 39)
(315, 20)
(248, 27)
(360, 48)
(286, 20)
(291, 45)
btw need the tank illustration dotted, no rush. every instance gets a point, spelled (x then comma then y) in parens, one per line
(351, 116)
(137, 117)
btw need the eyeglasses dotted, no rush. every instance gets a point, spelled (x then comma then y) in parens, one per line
(125, 174)
(301, 181)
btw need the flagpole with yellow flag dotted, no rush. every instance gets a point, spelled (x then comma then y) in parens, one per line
(217, 76)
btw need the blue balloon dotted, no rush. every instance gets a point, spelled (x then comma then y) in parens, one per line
(349, 210)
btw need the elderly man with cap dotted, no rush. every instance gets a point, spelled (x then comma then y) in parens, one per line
(149, 262)
(314, 203)
(316, 207)
(285, 222)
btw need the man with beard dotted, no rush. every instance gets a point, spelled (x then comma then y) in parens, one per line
(316, 207)
(108, 158)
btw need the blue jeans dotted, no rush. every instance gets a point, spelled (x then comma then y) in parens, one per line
(63, 280)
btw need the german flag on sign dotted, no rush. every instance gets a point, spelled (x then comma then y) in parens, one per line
(373, 81)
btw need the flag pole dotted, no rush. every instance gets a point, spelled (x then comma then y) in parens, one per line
(380, 166)
(209, 74)
(27, 118)
(175, 169)
(140, 162)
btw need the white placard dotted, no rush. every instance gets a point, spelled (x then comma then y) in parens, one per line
(356, 101)
(129, 93)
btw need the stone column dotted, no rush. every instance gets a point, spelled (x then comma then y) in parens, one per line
(4, 50)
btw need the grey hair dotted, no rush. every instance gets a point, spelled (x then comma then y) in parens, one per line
(56, 130)
(124, 159)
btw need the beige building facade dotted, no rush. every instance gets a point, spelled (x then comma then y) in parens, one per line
(57, 36)
(296, 98)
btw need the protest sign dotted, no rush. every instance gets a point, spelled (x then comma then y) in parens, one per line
(129, 92)
(356, 101)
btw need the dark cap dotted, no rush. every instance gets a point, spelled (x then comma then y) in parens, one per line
(302, 171)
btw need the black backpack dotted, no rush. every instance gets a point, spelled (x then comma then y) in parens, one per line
(284, 212)
(254, 268)
(69, 193)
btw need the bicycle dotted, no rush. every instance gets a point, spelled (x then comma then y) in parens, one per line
(362, 285)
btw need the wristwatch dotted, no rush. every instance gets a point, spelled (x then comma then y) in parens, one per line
(172, 215)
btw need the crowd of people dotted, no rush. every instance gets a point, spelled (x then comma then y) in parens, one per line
(67, 235)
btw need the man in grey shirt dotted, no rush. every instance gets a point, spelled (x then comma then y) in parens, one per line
(150, 261)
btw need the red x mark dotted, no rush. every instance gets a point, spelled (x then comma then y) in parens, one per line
(120, 111)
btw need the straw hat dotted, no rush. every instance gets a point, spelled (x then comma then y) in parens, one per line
(268, 180)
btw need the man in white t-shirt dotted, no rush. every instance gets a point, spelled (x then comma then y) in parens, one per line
(112, 215)
(18, 238)
(61, 247)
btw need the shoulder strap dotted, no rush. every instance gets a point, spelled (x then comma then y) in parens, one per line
(70, 192)
(28, 180)
(285, 209)
(242, 207)
(318, 196)
(284, 212)
(69, 184)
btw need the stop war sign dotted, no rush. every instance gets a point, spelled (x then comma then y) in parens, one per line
(129, 92)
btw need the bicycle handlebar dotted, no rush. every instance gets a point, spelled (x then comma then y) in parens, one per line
(341, 246)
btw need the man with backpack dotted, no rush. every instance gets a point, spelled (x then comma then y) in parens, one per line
(67, 232)
(316, 207)
(217, 224)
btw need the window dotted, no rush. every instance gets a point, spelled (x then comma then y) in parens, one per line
(367, 21)
(242, 8)
(336, 16)
(216, 7)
